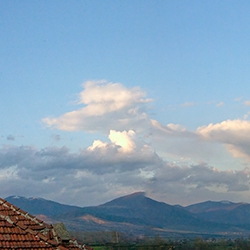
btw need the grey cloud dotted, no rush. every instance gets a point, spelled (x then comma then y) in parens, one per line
(203, 176)
(56, 137)
(173, 141)
(10, 138)
(76, 178)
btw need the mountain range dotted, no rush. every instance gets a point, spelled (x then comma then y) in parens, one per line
(137, 215)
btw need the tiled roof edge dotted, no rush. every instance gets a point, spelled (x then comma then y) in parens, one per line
(23, 213)
(28, 229)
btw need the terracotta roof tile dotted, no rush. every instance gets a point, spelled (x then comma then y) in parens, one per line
(20, 230)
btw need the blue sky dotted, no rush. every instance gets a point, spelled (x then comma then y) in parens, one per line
(104, 98)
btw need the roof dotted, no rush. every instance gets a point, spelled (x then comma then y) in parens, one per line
(20, 230)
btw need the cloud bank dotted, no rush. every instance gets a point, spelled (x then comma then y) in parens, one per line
(100, 173)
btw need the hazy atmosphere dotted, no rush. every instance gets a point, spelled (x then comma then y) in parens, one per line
(101, 99)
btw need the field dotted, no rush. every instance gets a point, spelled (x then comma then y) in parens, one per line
(196, 244)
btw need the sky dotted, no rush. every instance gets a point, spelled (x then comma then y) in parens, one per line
(100, 99)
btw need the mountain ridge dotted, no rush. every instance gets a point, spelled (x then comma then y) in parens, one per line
(137, 214)
(37, 205)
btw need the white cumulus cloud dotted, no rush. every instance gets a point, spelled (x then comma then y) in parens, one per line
(234, 134)
(106, 105)
(123, 139)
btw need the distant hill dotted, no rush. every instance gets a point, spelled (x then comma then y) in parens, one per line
(222, 212)
(139, 209)
(41, 206)
(136, 214)
(211, 206)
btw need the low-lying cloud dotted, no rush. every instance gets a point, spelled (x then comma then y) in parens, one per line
(106, 172)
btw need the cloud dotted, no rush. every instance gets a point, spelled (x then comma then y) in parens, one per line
(247, 103)
(187, 104)
(56, 137)
(11, 138)
(93, 176)
(246, 115)
(169, 162)
(106, 105)
(174, 142)
(234, 134)
(112, 109)
(103, 170)
(122, 139)
(173, 129)
(220, 104)
(238, 99)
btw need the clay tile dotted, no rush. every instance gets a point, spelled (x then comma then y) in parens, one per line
(29, 230)
(15, 208)
(63, 248)
(8, 204)
(39, 221)
(42, 236)
(28, 244)
(22, 212)
(37, 227)
(21, 225)
(30, 216)
(14, 219)
(53, 242)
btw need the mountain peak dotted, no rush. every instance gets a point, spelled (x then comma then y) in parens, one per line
(127, 200)
(226, 202)
(136, 194)
(15, 197)
(18, 197)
